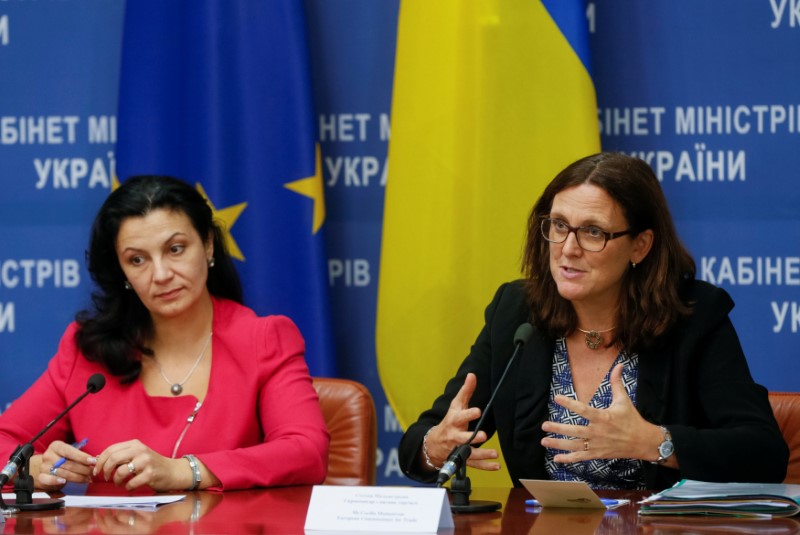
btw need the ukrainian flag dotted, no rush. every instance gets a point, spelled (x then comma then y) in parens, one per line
(491, 99)
(219, 93)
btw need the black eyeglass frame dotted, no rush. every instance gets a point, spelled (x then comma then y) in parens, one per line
(570, 229)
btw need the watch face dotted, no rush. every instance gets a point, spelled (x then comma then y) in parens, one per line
(666, 449)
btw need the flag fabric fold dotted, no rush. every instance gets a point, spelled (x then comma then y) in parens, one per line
(491, 99)
(218, 93)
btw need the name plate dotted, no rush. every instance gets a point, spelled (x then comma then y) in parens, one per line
(374, 509)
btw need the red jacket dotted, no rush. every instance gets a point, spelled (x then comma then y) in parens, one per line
(259, 425)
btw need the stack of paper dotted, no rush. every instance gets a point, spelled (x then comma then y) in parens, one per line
(690, 497)
(149, 503)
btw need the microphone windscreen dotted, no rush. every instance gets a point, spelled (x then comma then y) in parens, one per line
(96, 383)
(523, 334)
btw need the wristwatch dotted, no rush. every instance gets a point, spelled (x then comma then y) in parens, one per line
(666, 448)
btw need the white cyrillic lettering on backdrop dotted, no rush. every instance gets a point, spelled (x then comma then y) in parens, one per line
(707, 95)
(4, 30)
(354, 170)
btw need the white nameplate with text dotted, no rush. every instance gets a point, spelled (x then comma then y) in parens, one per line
(378, 509)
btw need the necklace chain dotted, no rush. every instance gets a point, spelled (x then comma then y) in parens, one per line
(177, 388)
(592, 338)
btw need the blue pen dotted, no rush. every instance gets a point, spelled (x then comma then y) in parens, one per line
(61, 461)
(606, 501)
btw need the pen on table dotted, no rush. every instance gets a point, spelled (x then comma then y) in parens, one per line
(61, 461)
(606, 502)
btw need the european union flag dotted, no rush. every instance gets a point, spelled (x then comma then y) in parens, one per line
(218, 93)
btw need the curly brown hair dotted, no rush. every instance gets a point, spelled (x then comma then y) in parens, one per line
(650, 303)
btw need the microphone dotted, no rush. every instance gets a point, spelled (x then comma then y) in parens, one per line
(458, 457)
(22, 455)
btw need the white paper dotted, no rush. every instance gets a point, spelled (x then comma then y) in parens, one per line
(570, 494)
(378, 509)
(121, 502)
(12, 496)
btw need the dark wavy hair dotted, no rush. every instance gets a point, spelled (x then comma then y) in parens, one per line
(119, 326)
(650, 303)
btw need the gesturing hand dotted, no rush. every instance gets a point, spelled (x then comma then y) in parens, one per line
(616, 432)
(453, 431)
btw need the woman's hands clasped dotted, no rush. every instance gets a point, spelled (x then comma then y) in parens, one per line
(130, 463)
(453, 431)
(616, 432)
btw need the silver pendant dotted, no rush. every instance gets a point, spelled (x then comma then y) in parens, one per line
(592, 339)
(176, 389)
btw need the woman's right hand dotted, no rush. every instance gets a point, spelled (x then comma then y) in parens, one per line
(453, 431)
(77, 468)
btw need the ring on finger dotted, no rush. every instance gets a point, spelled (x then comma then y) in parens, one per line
(131, 467)
(585, 444)
(54, 471)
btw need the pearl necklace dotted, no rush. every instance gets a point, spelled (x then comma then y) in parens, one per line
(177, 388)
(593, 338)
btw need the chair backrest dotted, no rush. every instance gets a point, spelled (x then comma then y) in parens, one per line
(786, 406)
(349, 413)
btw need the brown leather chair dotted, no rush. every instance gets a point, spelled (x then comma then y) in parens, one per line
(786, 406)
(349, 413)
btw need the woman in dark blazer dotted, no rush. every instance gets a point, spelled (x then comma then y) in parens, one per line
(634, 376)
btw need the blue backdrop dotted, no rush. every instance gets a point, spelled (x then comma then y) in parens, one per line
(707, 92)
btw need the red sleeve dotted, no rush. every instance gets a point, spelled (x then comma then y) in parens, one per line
(34, 409)
(295, 447)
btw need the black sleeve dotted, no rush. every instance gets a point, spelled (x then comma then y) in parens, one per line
(733, 434)
(479, 362)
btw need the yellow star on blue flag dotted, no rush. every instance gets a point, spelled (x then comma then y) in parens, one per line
(312, 187)
(241, 147)
(226, 216)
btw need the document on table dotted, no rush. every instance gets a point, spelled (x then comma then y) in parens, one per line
(567, 494)
(688, 497)
(111, 502)
(149, 503)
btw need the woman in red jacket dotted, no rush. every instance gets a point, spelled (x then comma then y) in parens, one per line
(207, 394)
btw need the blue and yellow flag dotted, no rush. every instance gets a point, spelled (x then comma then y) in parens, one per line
(218, 93)
(491, 99)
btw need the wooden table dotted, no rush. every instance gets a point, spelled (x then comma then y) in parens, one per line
(515, 517)
(283, 511)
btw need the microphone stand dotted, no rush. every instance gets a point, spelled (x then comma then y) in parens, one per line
(19, 463)
(24, 488)
(461, 487)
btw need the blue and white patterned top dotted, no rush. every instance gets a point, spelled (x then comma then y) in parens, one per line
(597, 473)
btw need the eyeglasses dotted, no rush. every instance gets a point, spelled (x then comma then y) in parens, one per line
(592, 239)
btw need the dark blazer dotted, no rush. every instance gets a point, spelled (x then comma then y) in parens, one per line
(695, 382)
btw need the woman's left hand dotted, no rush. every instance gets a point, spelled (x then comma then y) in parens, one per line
(616, 432)
(134, 464)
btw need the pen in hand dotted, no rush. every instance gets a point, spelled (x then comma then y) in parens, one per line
(62, 460)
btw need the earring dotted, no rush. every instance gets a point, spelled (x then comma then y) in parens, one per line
(128, 286)
(211, 262)
(633, 265)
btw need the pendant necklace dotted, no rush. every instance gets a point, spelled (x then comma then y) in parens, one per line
(177, 388)
(593, 338)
